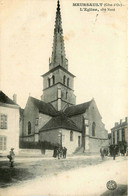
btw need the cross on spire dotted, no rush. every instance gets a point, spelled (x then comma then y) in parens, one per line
(58, 50)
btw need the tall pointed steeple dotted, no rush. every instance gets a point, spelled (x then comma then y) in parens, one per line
(58, 50)
(58, 82)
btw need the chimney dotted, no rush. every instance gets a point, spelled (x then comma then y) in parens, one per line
(120, 121)
(116, 123)
(126, 119)
(15, 98)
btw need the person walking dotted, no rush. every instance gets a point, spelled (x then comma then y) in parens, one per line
(55, 152)
(114, 152)
(102, 153)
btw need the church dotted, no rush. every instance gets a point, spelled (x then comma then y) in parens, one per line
(56, 119)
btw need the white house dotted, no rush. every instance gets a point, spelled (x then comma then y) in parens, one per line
(9, 125)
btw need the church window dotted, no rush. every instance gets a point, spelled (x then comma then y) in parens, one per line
(68, 82)
(71, 135)
(3, 142)
(49, 83)
(29, 127)
(64, 79)
(3, 121)
(79, 141)
(93, 129)
(53, 79)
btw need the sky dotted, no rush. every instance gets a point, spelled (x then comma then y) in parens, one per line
(95, 45)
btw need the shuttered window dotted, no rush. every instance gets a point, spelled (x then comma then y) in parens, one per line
(3, 143)
(3, 121)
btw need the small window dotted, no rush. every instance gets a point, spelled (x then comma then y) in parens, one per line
(93, 129)
(64, 79)
(29, 127)
(53, 79)
(3, 121)
(3, 143)
(71, 135)
(68, 82)
(49, 82)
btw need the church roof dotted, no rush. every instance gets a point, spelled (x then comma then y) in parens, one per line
(60, 121)
(5, 99)
(77, 109)
(45, 108)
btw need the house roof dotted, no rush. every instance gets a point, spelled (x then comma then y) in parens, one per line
(77, 109)
(60, 121)
(5, 99)
(45, 108)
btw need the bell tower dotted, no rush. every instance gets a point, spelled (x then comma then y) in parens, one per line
(58, 82)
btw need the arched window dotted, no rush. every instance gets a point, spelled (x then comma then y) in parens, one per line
(93, 129)
(49, 82)
(53, 79)
(71, 135)
(68, 82)
(64, 79)
(29, 127)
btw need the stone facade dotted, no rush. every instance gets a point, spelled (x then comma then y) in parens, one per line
(92, 139)
(60, 90)
(34, 119)
(119, 133)
(63, 137)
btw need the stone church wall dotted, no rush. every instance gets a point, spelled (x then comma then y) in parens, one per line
(30, 115)
(95, 141)
(53, 136)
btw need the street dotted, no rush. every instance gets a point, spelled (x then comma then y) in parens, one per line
(80, 175)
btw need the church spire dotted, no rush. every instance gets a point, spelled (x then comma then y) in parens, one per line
(58, 50)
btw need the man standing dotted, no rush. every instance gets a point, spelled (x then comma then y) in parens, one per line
(114, 152)
(64, 152)
(102, 153)
(12, 157)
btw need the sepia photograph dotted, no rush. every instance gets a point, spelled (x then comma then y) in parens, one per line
(63, 98)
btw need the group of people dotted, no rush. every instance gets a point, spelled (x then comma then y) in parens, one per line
(112, 150)
(59, 152)
(104, 151)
